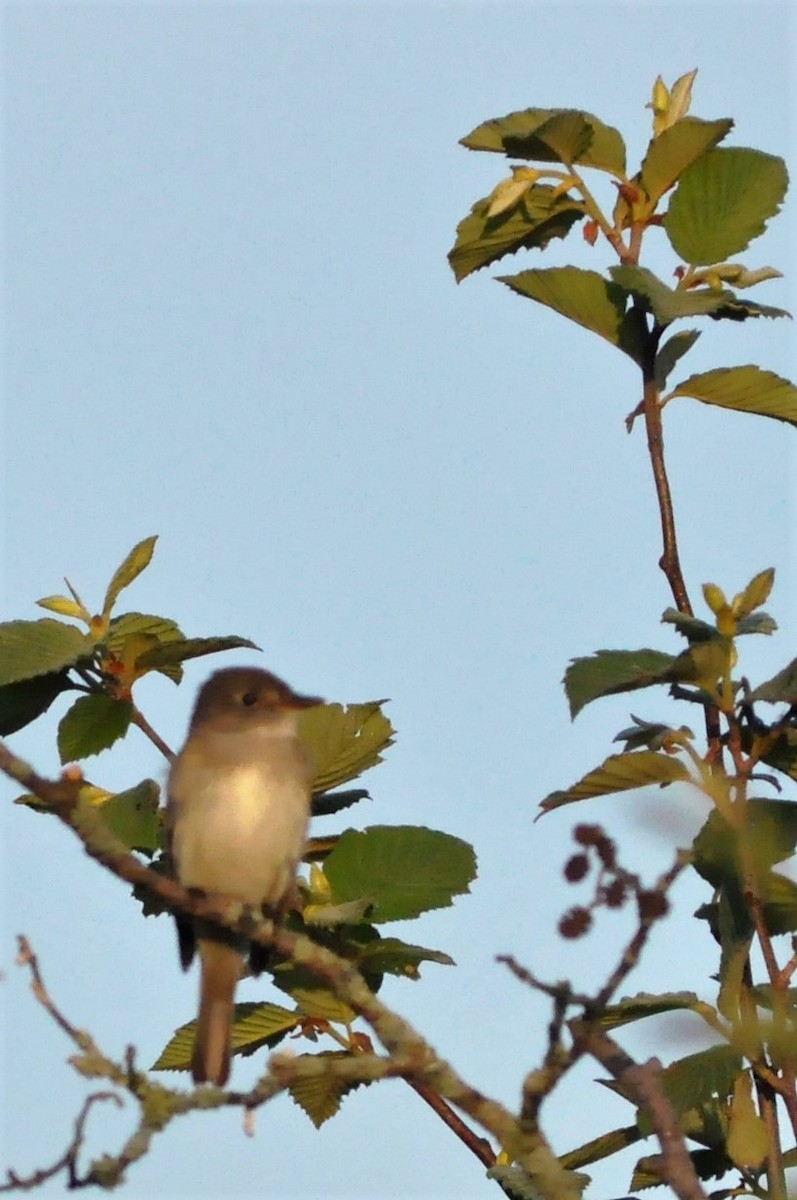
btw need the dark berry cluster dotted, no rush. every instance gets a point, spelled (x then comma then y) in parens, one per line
(613, 885)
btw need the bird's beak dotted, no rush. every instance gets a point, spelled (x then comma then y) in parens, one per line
(295, 701)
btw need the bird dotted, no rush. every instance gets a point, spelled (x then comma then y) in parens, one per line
(237, 813)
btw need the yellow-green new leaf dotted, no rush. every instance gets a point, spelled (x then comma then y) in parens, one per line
(32, 648)
(755, 594)
(748, 1142)
(136, 561)
(622, 773)
(743, 389)
(586, 298)
(133, 816)
(65, 606)
(344, 742)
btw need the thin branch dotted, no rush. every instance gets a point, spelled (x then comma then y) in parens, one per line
(478, 1146)
(648, 917)
(69, 1159)
(143, 724)
(669, 562)
(643, 1084)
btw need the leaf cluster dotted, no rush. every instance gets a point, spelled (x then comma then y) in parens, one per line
(718, 200)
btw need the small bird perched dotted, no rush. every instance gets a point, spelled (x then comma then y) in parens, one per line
(238, 809)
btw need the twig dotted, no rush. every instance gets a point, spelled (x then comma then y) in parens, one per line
(68, 1160)
(648, 917)
(669, 562)
(643, 1084)
(143, 724)
(477, 1145)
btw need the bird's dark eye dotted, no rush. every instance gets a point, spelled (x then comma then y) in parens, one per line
(249, 698)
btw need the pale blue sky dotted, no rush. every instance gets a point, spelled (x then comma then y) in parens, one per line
(230, 321)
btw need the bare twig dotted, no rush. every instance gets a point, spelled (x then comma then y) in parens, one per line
(669, 562)
(69, 1159)
(643, 1084)
(143, 724)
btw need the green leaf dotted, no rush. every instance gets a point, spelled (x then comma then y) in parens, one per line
(760, 622)
(344, 742)
(781, 688)
(692, 628)
(708, 1164)
(92, 724)
(779, 896)
(327, 803)
(670, 304)
(133, 817)
(136, 624)
(32, 648)
(621, 773)
(723, 202)
(541, 216)
(735, 929)
(543, 134)
(600, 1147)
(769, 834)
(402, 870)
(743, 389)
(586, 298)
(320, 1095)
(23, 702)
(672, 350)
(692, 1081)
(130, 634)
(173, 653)
(721, 854)
(637, 1008)
(137, 560)
(782, 754)
(391, 956)
(608, 672)
(323, 1005)
(258, 1025)
(677, 148)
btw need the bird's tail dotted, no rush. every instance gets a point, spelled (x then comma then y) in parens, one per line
(221, 968)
